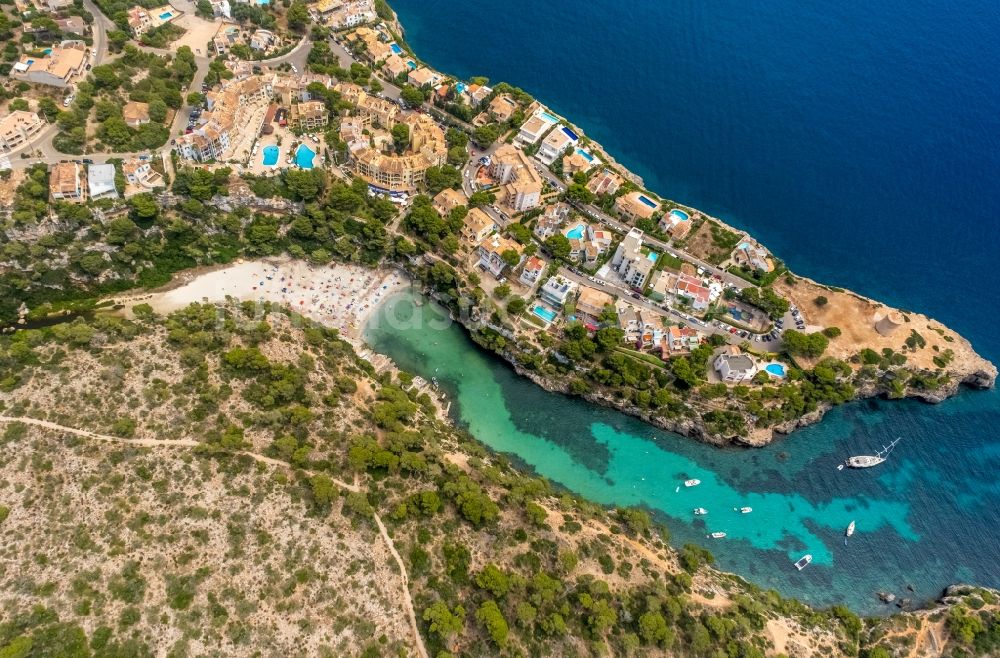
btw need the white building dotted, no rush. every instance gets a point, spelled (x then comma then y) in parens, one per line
(556, 290)
(101, 181)
(631, 264)
(554, 145)
(734, 367)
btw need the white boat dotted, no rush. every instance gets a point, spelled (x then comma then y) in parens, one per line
(717, 535)
(867, 461)
(840, 467)
(692, 483)
(803, 562)
(848, 532)
(743, 510)
(700, 511)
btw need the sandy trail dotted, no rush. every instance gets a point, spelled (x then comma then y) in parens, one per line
(189, 443)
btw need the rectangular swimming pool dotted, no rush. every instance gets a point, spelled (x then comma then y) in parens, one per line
(646, 201)
(165, 15)
(395, 48)
(548, 116)
(569, 133)
(544, 313)
(586, 156)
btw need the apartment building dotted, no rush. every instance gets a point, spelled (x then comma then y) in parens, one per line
(477, 226)
(521, 184)
(18, 128)
(228, 111)
(308, 115)
(405, 172)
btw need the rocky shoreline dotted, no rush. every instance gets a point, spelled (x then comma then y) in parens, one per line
(982, 375)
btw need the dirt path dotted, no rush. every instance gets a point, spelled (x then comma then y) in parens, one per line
(406, 586)
(189, 443)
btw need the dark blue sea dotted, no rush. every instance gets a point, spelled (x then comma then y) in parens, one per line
(861, 143)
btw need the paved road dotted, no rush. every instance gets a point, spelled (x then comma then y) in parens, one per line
(99, 30)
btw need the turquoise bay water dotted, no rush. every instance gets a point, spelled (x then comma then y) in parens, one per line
(920, 517)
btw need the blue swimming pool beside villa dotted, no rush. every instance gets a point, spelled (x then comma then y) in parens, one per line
(395, 48)
(165, 15)
(577, 232)
(680, 215)
(546, 314)
(776, 369)
(271, 154)
(304, 156)
(645, 200)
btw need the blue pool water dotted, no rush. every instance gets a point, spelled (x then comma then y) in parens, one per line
(544, 313)
(838, 97)
(411, 64)
(548, 116)
(569, 133)
(271, 154)
(459, 87)
(165, 15)
(776, 369)
(47, 51)
(576, 233)
(395, 48)
(651, 256)
(647, 201)
(586, 156)
(736, 313)
(680, 214)
(263, 2)
(304, 156)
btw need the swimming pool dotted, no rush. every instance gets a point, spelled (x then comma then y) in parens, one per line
(646, 201)
(776, 369)
(586, 156)
(395, 48)
(263, 2)
(271, 154)
(459, 87)
(680, 214)
(544, 313)
(548, 116)
(304, 156)
(411, 64)
(652, 256)
(569, 133)
(576, 233)
(47, 51)
(165, 15)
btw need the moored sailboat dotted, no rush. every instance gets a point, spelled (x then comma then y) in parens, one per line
(867, 461)
(848, 532)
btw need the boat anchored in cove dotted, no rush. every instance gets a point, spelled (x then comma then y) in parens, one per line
(867, 461)
(803, 562)
(700, 511)
(692, 483)
(848, 532)
(717, 535)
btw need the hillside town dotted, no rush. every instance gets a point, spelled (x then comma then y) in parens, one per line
(533, 212)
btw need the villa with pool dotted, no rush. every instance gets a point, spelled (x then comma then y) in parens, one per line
(636, 205)
(676, 223)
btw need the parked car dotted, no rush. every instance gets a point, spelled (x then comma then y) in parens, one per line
(88, 161)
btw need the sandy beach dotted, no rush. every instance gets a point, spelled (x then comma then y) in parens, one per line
(336, 295)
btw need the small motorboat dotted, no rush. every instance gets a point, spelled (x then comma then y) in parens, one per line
(717, 535)
(700, 511)
(743, 510)
(840, 467)
(692, 483)
(848, 532)
(803, 562)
